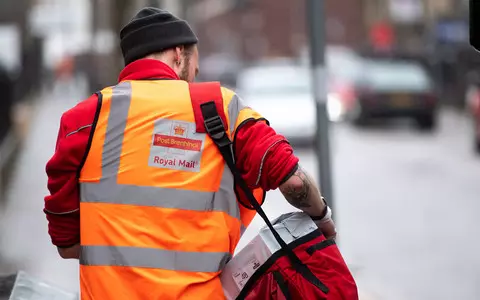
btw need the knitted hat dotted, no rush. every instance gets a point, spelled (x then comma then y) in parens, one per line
(154, 30)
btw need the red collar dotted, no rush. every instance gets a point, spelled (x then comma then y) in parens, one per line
(147, 69)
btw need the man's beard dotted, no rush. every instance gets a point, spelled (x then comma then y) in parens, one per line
(184, 75)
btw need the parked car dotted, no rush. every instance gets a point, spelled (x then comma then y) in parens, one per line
(391, 89)
(344, 70)
(282, 94)
(472, 99)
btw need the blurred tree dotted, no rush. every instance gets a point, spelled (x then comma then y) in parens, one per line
(108, 18)
(6, 89)
(154, 3)
(184, 10)
(120, 9)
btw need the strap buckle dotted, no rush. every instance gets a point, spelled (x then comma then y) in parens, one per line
(216, 130)
(215, 127)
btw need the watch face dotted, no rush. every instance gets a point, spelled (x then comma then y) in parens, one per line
(475, 24)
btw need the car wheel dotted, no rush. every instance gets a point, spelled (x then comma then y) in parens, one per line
(427, 122)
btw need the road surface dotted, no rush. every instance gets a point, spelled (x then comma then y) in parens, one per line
(407, 207)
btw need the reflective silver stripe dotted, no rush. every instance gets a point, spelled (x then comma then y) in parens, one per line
(226, 194)
(234, 108)
(153, 258)
(117, 122)
(62, 213)
(78, 130)
(223, 200)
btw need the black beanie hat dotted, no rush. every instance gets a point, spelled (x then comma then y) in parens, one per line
(154, 30)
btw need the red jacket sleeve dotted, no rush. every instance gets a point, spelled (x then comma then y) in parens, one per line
(62, 205)
(265, 158)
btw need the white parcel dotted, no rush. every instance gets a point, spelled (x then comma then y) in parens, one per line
(238, 271)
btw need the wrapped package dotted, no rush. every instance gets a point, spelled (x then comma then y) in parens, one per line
(238, 271)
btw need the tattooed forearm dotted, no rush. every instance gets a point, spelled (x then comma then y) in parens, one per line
(298, 194)
(302, 193)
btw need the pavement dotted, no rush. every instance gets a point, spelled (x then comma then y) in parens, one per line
(406, 204)
(24, 241)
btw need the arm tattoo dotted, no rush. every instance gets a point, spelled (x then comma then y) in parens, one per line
(299, 196)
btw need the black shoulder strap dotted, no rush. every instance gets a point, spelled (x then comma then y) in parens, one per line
(216, 130)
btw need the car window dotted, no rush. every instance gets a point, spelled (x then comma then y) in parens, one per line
(345, 71)
(396, 76)
(343, 64)
(274, 80)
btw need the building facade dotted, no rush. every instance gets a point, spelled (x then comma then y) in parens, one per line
(257, 29)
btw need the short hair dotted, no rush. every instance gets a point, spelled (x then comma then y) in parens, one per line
(187, 51)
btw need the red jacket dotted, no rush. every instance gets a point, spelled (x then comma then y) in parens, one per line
(258, 150)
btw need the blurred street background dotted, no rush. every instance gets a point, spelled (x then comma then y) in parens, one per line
(403, 98)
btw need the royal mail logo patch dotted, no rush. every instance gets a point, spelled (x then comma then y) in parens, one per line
(176, 145)
(162, 140)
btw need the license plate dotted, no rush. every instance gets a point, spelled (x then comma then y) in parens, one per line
(402, 101)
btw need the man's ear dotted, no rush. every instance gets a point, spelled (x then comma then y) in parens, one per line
(179, 53)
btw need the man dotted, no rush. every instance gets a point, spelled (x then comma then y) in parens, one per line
(143, 199)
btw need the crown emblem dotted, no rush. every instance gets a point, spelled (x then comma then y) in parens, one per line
(179, 130)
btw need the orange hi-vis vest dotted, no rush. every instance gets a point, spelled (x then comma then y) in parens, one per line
(159, 212)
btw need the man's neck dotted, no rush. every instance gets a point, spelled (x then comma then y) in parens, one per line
(162, 58)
